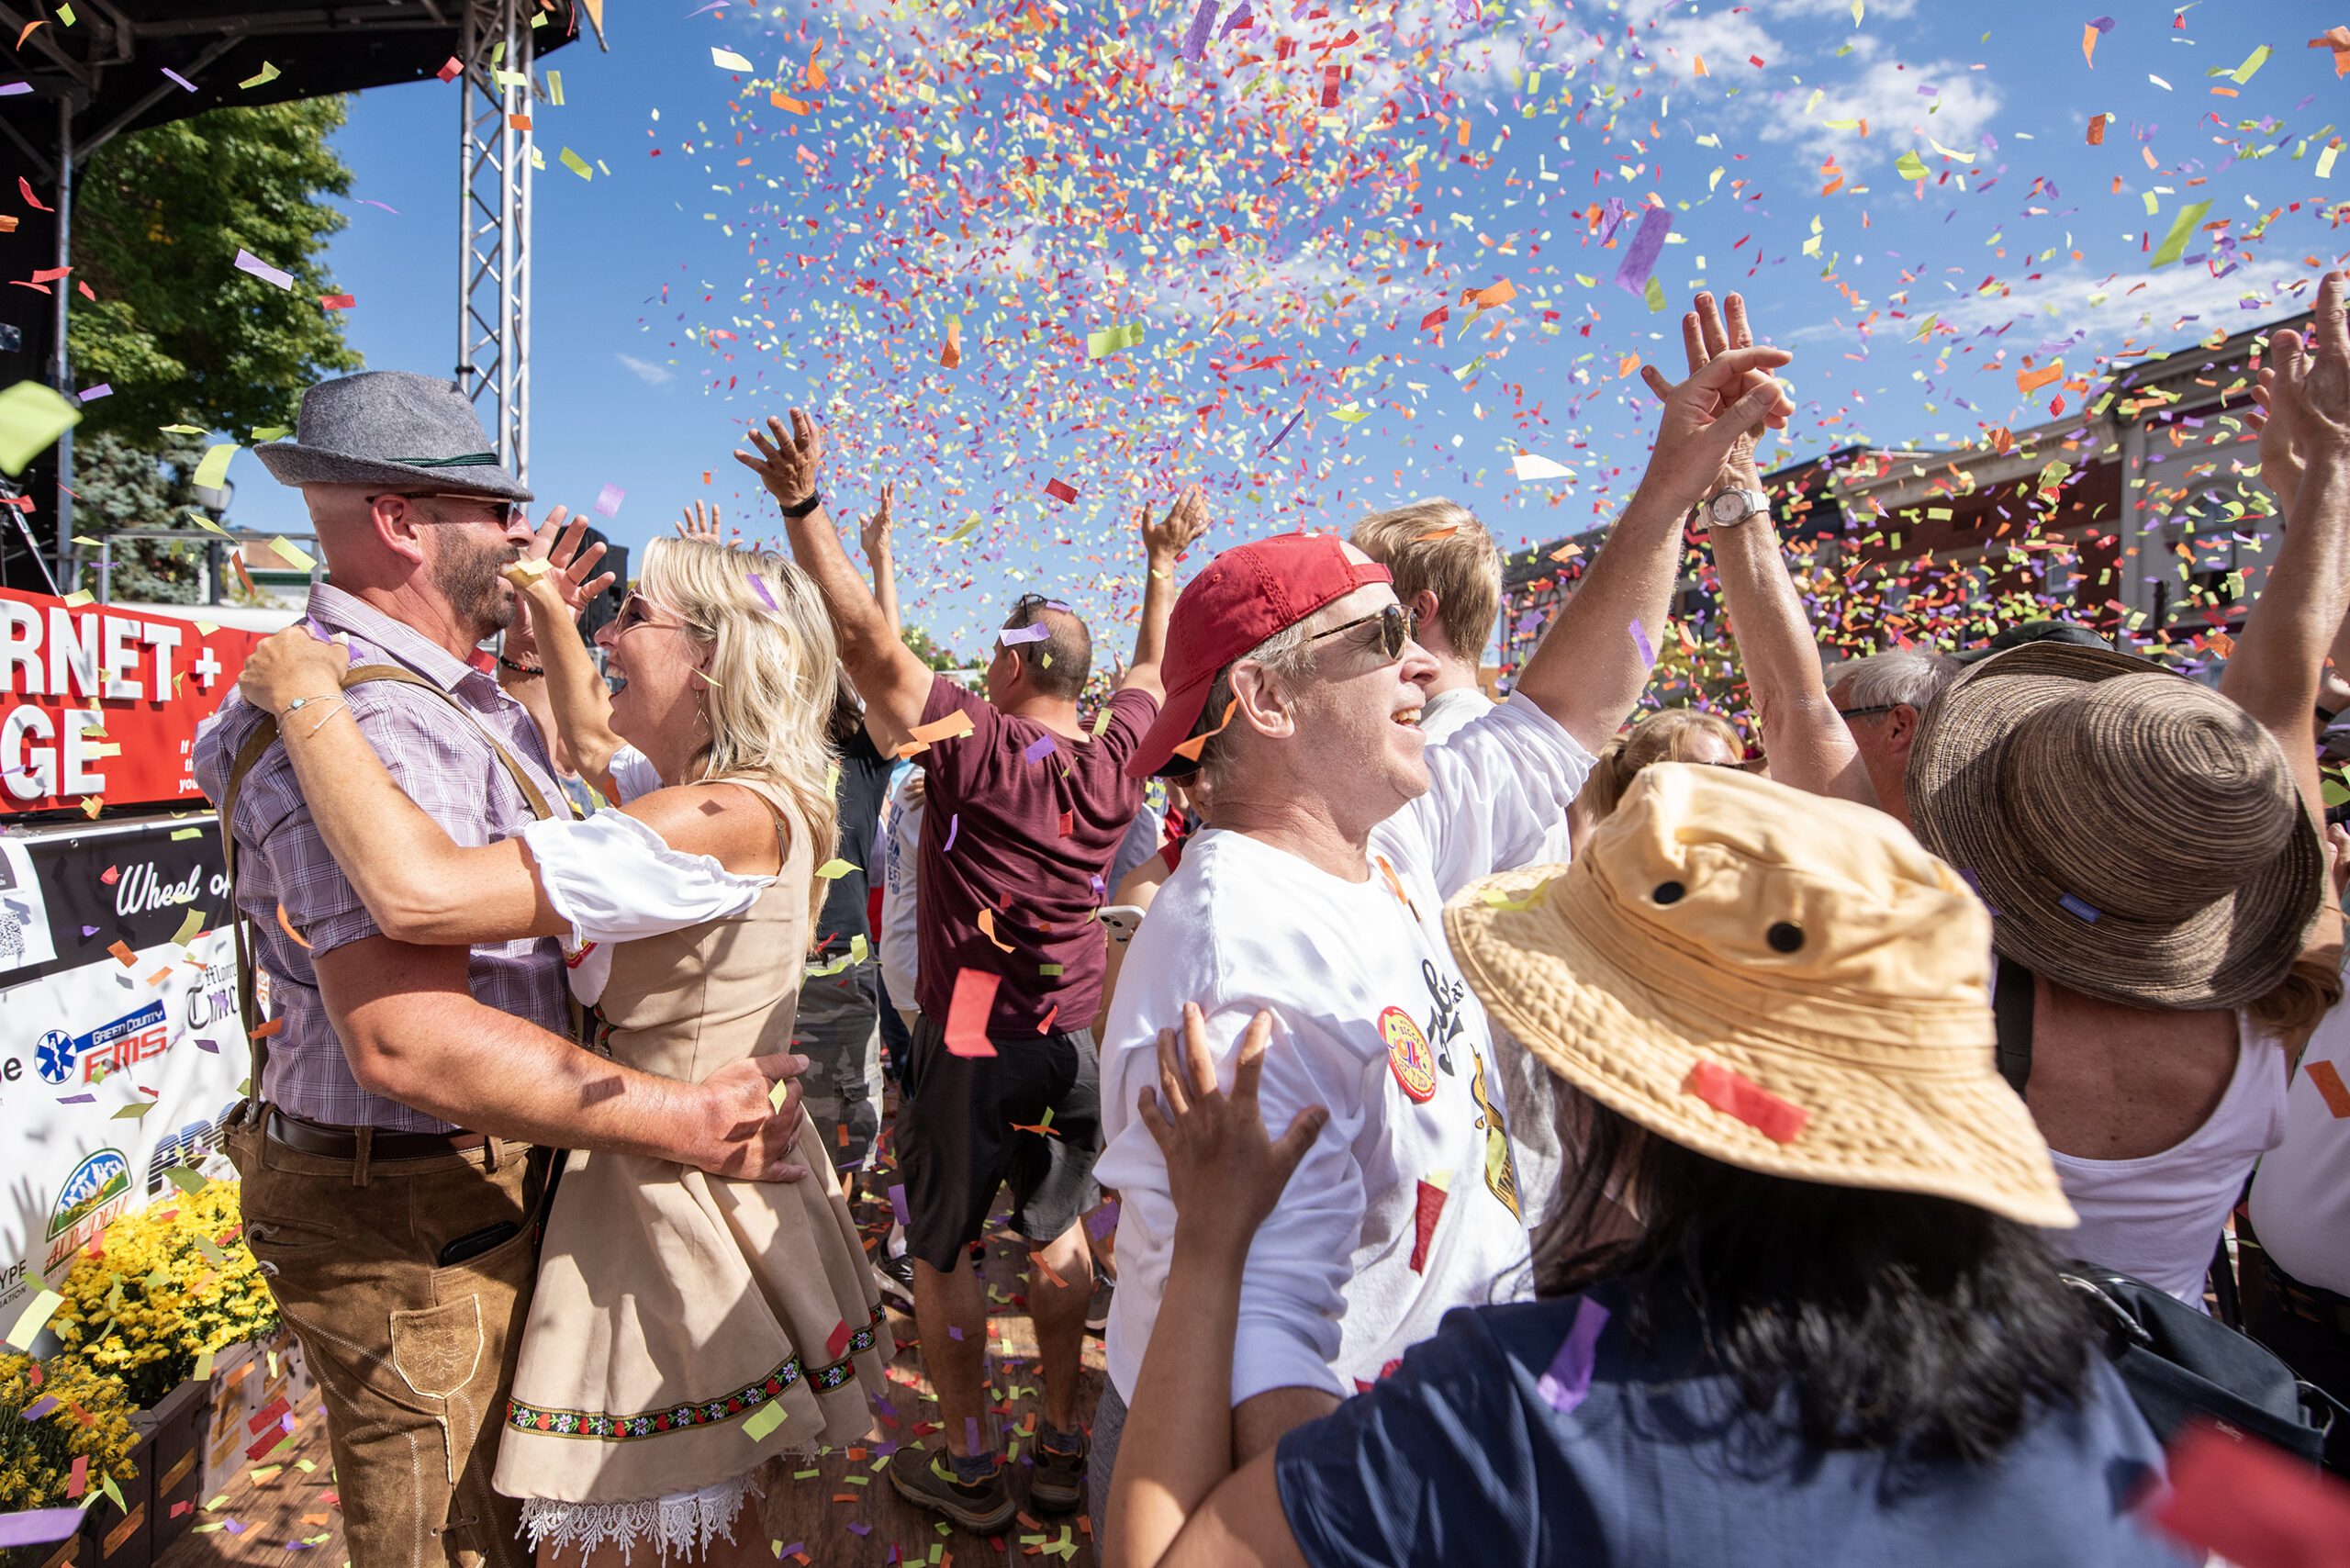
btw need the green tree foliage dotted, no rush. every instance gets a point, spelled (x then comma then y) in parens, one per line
(127, 483)
(928, 650)
(181, 335)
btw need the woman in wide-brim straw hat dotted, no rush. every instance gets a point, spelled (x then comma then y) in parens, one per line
(2150, 851)
(1794, 1306)
(2148, 847)
(687, 1330)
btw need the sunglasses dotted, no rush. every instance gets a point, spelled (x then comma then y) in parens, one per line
(1867, 712)
(636, 610)
(504, 514)
(1396, 626)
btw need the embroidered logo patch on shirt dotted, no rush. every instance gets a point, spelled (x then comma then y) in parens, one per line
(1408, 1055)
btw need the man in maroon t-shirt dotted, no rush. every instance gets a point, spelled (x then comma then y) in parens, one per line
(1025, 809)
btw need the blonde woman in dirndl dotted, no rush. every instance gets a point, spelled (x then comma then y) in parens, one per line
(676, 1311)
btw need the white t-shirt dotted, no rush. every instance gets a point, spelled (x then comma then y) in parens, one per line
(1530, 1087)
(2301, 1200)
(2158, 1218)
(1372, 1021)
(902, 846)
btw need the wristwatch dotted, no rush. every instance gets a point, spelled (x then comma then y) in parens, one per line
(1733, 507)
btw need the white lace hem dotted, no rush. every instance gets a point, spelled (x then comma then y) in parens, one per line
(684, 1523)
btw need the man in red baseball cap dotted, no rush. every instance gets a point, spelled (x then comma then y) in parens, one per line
(1293, 682)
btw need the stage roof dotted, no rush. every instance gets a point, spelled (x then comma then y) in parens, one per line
(112, 61)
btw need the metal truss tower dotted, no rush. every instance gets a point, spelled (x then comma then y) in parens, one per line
(496, 158)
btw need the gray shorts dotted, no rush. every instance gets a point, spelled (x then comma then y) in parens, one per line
(838, 1030)
(1109, 1425)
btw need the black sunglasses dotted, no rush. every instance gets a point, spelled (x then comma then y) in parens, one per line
(502, 513)
(1396, 627)
(1867, 712)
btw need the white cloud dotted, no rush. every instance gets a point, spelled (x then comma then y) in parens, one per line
(1879, 10)
(2062, 305)
(1899, 116)
(652, 374)
(2149, 309)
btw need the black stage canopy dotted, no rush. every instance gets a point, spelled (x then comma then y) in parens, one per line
(111, 64)
(123, 65)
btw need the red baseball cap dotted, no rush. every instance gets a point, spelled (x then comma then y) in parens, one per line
(1245, 596)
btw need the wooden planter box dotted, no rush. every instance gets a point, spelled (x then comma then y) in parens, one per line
(174, 1463)
(166, 1456)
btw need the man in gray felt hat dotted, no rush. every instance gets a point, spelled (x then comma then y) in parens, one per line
(406, 1097)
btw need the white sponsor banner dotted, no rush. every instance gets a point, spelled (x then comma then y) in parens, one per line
(110, 1073)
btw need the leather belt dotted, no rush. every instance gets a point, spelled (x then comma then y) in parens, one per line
(307, 1137)
(2311, 1303)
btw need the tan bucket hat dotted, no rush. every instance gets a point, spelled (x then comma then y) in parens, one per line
(1779, 982)
(2138, 836)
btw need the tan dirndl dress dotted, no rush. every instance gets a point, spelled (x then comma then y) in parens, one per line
(673, 1305)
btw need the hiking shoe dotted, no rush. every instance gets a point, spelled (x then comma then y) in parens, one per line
(925, 1478)
(1059, 1486)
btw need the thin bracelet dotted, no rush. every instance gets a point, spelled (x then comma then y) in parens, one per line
(332, 703)
(504, 663)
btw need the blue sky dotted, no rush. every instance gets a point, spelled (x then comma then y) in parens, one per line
(1036, 172)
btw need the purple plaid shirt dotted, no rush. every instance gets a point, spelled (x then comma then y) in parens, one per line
(438, 755)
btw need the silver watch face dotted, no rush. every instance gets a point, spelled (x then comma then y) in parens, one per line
(1730, 506)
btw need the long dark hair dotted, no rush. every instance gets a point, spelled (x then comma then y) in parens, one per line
(1897, 1321)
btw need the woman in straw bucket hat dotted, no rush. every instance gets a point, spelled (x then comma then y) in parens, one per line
(1794, 1307)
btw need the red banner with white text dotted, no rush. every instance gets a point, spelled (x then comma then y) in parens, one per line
(103, 700)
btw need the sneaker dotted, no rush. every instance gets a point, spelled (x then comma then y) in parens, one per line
(924, 1478)
(1097, 1315)
(1059, 1486)
(896, 1277)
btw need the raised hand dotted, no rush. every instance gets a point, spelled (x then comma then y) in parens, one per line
(703, 527)
(2308, 395)
(788, 461)
(2283, 459)
(1165, 539)
(873, 532)
(1707, 334)
(1223, 1172)
(559, 547)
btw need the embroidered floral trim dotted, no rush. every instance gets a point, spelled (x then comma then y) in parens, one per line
(602, 1425)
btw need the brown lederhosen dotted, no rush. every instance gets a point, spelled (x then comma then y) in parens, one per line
(414, 1357)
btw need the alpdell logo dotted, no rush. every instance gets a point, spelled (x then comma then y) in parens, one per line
(96, 1183)
(107, 1049)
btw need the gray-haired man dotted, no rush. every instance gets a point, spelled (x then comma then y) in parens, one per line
(404, 1093)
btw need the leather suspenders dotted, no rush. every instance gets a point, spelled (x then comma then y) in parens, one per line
(257, 743)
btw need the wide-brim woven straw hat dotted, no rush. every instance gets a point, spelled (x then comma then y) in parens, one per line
(392, 427)
(2137, 836)
(1783, 983)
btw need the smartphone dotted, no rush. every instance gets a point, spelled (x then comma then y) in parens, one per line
(1121, 920)
(479, 1242)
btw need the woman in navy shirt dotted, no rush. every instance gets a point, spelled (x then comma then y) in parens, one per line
(1794, 1308)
